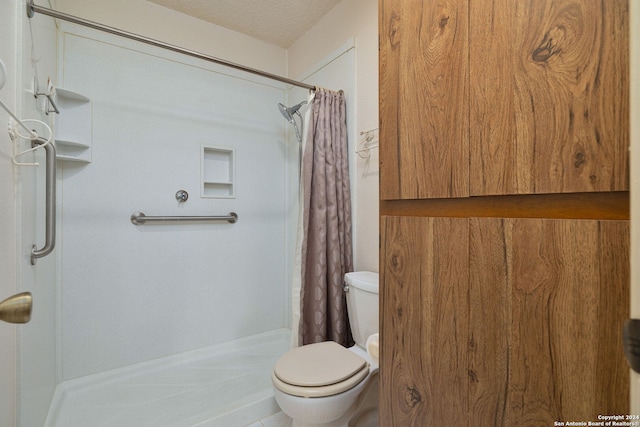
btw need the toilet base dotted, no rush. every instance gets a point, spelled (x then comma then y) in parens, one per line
(363, 413)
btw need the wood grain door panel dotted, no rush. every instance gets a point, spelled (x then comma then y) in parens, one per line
(424, 108)
(424, 321)
(549, 96)
(548, 300)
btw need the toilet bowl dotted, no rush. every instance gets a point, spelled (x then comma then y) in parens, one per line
(325, 384)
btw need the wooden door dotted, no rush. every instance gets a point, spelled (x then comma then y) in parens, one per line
(549, 96)
(424, 321)
(424, 105)
(548, 301)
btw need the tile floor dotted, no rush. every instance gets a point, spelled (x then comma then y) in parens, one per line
(276, 420)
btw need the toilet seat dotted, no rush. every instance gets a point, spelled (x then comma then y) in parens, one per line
(318, 370)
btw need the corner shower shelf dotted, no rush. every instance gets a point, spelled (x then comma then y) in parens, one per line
(73, 127)
(218, 172)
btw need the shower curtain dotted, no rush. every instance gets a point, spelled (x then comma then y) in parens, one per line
(324, 247)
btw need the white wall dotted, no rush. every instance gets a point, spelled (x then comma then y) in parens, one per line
(157, 22)
(8, 33)
(352, 19)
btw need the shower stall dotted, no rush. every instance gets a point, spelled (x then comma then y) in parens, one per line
(201, 307)
(212, 293)
(143, 322)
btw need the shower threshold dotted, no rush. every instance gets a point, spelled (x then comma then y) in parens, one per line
(226, 385)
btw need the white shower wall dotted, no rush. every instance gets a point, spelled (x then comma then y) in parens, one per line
(133, 293)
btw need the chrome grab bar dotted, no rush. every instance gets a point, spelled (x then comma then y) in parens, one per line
(138, 218)
(50, 202)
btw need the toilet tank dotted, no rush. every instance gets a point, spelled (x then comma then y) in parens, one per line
(362, 304)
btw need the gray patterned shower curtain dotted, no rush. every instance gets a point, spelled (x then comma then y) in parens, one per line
(326, 249)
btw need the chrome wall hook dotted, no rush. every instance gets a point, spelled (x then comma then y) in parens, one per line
(50, 105)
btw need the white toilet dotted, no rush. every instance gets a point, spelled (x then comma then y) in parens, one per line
(325, 384)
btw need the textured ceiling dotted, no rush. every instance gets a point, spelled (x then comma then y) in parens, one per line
(279, 22)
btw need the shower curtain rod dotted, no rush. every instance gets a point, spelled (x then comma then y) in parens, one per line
(33, 8)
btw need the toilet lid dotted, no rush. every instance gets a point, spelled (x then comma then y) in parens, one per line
(322, 391)
(318, 369)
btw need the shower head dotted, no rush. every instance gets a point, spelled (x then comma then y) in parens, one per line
(288, 113)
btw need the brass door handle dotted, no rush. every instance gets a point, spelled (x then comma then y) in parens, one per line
(17, 308)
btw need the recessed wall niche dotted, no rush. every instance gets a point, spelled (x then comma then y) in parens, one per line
(218, 172)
